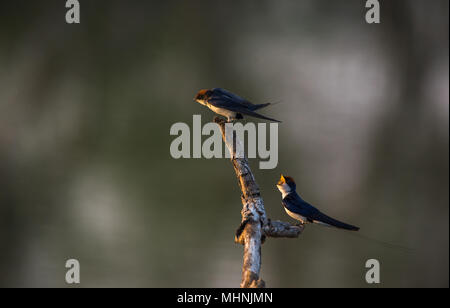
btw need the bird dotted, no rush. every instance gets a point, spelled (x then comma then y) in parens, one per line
(301, 210)
(230, 105)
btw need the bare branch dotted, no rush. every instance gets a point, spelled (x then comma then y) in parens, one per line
(254, 224)
(282, 229)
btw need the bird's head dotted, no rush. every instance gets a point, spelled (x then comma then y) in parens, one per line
(286, 184)
(202, 96)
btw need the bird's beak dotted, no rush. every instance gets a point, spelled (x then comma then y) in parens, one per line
(282, 180)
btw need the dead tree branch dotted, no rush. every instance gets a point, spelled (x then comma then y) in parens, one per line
(255, 226)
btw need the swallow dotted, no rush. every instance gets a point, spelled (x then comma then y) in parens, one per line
(229, 105)
(301, 210)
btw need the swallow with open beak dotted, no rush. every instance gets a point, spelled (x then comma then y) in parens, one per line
(229, 105)
(300, 210)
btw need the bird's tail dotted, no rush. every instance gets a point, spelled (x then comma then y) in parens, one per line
(384, 243)
(257, 115)
(324, 219)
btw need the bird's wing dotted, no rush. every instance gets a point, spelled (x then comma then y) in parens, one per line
(322, 218)
(294, 203)
(297, 205)
(224, 101)
(229, 104)
(219, 92)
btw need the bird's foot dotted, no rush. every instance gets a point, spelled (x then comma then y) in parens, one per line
(300, 224)
(219, 120)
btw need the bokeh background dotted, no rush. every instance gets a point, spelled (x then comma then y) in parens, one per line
(85, 167)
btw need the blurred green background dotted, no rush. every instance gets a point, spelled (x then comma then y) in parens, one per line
(85, 167)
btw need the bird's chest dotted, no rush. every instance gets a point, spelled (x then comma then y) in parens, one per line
(222, 111)
(303, 219)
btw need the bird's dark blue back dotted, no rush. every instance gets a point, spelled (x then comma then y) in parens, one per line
(294, 203)
(225, 99)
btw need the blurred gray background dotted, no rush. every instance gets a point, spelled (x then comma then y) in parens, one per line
(85, 113)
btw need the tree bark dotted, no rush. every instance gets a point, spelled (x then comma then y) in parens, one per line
(255, 226)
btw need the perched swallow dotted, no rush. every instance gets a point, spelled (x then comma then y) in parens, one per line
(229, 105)
(300, 210)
